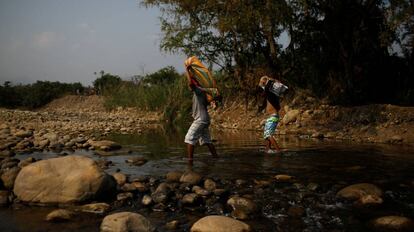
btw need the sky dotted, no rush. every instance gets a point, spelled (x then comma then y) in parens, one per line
(69, 40)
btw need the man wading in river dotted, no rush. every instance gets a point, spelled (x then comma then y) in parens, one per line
(272, 90)
(198, 131)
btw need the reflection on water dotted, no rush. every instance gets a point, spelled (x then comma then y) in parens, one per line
(241, 157)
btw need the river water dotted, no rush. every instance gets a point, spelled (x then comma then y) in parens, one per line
(320, 165)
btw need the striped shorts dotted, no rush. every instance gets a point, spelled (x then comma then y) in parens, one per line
(270, 126)
(198, 132)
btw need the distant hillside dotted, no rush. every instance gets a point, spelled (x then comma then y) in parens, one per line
(75, 103)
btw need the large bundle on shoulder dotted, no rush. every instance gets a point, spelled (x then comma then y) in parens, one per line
(273, 86)
(201, 77)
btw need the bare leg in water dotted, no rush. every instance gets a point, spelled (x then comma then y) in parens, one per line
(190, 151)
(212, 149)
(271, 143)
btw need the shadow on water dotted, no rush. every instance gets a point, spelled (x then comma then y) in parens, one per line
(329, 164)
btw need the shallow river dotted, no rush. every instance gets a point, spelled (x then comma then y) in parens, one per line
(326, 165)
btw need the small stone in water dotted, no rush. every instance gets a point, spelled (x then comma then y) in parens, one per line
(146, 200)
(312, 186)
(283, 178)
(172, 225)
(59, 215)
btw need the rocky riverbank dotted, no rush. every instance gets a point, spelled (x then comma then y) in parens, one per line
(308, 118)
(68, 123)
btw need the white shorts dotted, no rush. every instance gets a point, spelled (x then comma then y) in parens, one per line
(198, 131)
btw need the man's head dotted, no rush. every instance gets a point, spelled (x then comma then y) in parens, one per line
(263, 81)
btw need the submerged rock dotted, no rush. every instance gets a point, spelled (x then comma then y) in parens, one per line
(105, 145)
(357, 191)
(393, 223)
(60, 215)
(219, 224)
(141, 187)
(124, 196)
(283, 178)
(120, 178)
(174, 176)
(369, 200)
(189, 198)
(146, 200)
(137, 161)
(126, 222)
(98, 208)
(242, 207)
(69, 179)
(210, 185)
(190, 177)
(172, 225)
(161, 194)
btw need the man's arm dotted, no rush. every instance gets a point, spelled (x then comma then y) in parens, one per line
(263, 105)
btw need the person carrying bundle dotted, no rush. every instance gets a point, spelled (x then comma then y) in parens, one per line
(272, 90)
(205, 92)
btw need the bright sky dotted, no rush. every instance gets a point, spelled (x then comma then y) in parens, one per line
(68, 40)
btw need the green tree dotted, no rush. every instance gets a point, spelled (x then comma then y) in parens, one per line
(339, 49)
(163, 76)
(106, 83)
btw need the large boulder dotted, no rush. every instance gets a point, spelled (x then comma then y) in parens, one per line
(69, 179)
(126, 222)
(219, 224)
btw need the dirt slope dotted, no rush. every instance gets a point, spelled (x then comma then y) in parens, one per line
(75, 103)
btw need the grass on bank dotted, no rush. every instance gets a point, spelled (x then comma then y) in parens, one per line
(168, 94)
